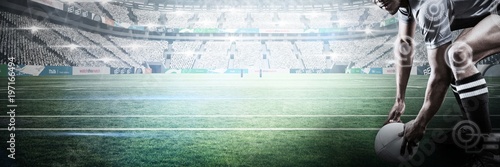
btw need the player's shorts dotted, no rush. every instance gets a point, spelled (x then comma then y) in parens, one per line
(458, 24)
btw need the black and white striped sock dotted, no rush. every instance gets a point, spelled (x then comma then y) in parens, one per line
(473, 93)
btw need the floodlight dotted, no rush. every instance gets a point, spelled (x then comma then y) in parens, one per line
(72, 46)
(368, 30)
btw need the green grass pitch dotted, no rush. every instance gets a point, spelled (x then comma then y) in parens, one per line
(213, 119)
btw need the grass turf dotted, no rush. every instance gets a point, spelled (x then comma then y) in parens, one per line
(237, 107)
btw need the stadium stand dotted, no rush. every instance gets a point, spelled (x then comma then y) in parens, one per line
(91, 7)
(312, 54)
(249, 55)
(263, 20)
(178, 19)
(350, 18)
(235, 20)
(68, 45)
(319, 20)
(290, 20)
(147, 17)
(372, 59)
(352, 50)
(94, 49)
(375, 15)
(91, 49)
(281, 55)
(141, 50)
(26, 51)
(185, 53)
(97, 38)
(19, 43)
(387, 59)
(119, 13)
(207, 20)
(214, 55)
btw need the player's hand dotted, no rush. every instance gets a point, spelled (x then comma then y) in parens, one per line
(395, 114)
(412, 134)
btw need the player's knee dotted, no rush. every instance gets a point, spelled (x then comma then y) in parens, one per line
(459, 55)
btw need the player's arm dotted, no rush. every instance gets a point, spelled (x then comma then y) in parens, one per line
(403, 52)
(435, 93)
(437, 85)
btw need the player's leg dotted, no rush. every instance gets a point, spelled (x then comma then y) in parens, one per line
(453, 84)
(453, 87)
(474, 45)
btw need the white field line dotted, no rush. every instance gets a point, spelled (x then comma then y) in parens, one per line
(209, 116)
(205, 129)
(223, 98)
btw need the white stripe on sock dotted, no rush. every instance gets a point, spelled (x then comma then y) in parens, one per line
(471, 84)
(454, 88)
(473, 93)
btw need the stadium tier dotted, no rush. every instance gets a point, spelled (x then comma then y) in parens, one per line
(184, 54)
(125, 13)
(118, 12)
(248, 55)
(20, 43)
(60, 44)
(207, 20)
(235, 20)
(214, 55)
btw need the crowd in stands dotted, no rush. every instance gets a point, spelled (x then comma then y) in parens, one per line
(312, 54)
(353, 50)
(214, 55)
(373, 59)
(319, 20)
(235, 20)
(91, 7)
(184, 54)
(38, 42)
(58, 45)
(18, 42)
(94, 49)
(289, 20)
(178, 19)
(141, 50)
(207, 20)
(249, 55)
(147, 17)
(105, 43)
(263, 20)
(281, 55)
(375, 15)
(351, 18)
(119, 13)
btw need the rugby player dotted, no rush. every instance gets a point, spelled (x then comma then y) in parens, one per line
(452, 61)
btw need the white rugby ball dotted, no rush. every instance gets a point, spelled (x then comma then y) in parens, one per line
(388, 144)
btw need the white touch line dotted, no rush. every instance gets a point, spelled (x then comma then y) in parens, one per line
(205, 129)
(208, 116)
(226, 98)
